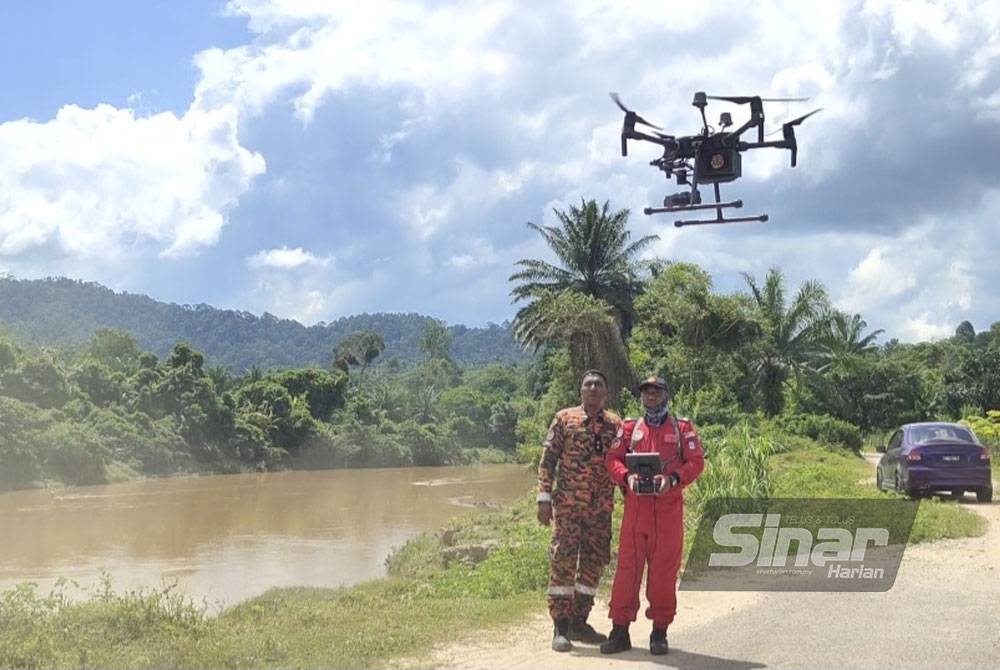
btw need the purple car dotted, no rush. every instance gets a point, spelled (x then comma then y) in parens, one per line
(923, 458)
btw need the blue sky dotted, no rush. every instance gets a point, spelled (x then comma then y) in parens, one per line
(318, 159)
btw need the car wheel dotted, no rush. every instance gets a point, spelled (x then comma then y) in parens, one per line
(878, 479)
(984, 494)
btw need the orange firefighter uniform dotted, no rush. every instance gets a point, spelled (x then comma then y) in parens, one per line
(573, 476)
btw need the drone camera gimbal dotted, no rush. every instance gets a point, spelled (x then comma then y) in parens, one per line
(710, 157)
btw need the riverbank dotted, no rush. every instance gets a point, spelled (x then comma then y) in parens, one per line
(484, 572)
(120, 472)
(361, 626)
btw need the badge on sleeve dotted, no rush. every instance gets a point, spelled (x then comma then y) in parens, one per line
(691, 444)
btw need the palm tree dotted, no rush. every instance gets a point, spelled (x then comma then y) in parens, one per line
(584, 325)
(842, 338)
(597, 261)
(790, 333)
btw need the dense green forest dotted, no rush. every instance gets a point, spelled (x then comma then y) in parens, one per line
(65, 312)
(109, 411)
(785, 359)
(771, 353)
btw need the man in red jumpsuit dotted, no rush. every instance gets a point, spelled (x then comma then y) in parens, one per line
(652, 532)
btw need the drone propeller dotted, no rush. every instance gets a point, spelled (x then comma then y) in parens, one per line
(747, 99)
(630, 113)
(803, 117)
(788, 130)
(795, 122)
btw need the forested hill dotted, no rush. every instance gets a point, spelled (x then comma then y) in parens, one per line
(65, 311)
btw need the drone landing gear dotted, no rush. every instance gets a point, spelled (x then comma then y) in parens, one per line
(720, 219)
(718, 206)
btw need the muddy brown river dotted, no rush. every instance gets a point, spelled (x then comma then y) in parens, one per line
(229, 537)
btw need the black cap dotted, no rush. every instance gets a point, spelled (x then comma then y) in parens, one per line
(655, 382)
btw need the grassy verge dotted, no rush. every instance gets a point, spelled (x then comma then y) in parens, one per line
(431, 595)
(438, 588)
(818, 473)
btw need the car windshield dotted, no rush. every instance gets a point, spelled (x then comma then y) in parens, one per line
(942, 434)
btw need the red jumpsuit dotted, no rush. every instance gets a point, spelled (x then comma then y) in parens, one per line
(652, 531)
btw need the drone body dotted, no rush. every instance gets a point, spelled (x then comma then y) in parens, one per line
(710, 157)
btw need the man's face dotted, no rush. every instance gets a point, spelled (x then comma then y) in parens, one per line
(652, 396)
(593, 390)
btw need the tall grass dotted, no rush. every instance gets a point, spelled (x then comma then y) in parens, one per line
(735, 467)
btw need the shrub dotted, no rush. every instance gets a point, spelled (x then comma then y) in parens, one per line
(711, 404)
(987, 429)
(823, 428)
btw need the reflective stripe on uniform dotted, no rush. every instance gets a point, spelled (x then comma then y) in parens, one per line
(561, 590)
(586, 590)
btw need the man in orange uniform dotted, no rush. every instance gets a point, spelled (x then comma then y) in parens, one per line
(581, 503)
(652, 532)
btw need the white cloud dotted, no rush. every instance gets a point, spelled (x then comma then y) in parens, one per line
(427, 208)
(922, 327)
(98, 183)
(478, 254)
(284, 258)
(919, 20)
(316, 293)
(309, 50)
(880, 277)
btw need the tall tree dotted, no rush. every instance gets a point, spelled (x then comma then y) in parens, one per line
(965, 333)
(790, 330)
(596, 259)
(584, 325)
(359, 348)
(841, 336)
(436, 341)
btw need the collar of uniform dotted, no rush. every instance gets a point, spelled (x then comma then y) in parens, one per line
(588, 417)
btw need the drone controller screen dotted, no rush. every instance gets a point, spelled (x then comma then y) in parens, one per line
(645, 466)
(713, 156)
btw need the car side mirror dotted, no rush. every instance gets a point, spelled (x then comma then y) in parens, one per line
(880, 448)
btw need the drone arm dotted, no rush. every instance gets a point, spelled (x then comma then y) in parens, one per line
(788, 130)
(787, 143)
(630, 133)
(757, 116)
(735, 135)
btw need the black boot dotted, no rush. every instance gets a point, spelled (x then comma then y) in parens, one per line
(658, 642)
(581, 631)
(619, 640)
(560, 639)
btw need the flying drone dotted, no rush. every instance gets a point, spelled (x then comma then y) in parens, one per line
(710, 157)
